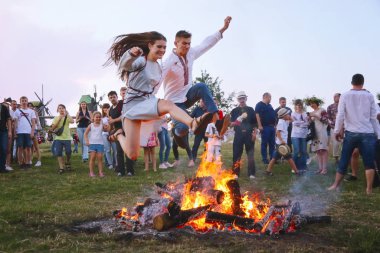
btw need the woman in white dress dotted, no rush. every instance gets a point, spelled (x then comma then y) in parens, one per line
(320, 142)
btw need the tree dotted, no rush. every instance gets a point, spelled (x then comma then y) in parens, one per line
(226, 104)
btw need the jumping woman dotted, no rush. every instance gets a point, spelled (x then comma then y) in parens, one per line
(137, 58)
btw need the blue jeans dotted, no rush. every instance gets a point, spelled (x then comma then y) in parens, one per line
(196, 92)
(365, 142)
(80, 132)
(165, 144)
(107, 150)
(299, 152)
(3, 148)
(268, 136)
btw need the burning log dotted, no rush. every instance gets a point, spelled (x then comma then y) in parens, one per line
(242, 222)
(260, 224)
(294, 210)
(165, 221)
(202, 183)
(148, 202)
(175, 193)
(271, 227)
(305, 219)
(215, 196)
(233, 186)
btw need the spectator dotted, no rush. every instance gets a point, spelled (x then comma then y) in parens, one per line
(8, 167)
(243, 120)
(83, 119)
(149, 142)
(5, 135)
(64, 140)
(332, 110)
(35, 145)
(75, 141)
(357, 113)
(281, 137)
(320, 142)
(94, 140)
(298, 134)
(282, 102)
(105, 134)
(165, 144)
(25, 126)
(214, 142)
(115, 124)
(197, 112)
(266, 119)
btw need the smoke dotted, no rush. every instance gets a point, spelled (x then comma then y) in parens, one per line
(310, 191)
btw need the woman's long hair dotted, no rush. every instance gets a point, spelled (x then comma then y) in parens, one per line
(124, 42)
(80, 107)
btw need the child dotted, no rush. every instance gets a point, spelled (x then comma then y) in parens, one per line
(281, 138)
(214, 142)
(149, 140)
(95, 143)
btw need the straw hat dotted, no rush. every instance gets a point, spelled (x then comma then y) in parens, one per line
(283, 150)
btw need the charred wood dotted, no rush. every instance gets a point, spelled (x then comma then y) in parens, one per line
(260, 224)
(246, 223)
(165, 221)
(234, 188)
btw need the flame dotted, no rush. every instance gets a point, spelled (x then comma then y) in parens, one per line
(252, 206)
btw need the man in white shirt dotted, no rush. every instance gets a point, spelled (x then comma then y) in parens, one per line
(357, 112)
(25, 124)
(177, 77)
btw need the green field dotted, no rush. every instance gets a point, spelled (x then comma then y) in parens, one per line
(38, 207)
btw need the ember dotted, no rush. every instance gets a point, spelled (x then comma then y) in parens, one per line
(213, 201)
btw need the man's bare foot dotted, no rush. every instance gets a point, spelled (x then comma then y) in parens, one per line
(191, 164)
(198, 125)
(332, 188)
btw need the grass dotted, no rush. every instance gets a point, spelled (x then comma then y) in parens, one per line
(38, 207)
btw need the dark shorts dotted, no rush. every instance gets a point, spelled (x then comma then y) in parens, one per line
(278, 156)
(24, 141)
(58, 146)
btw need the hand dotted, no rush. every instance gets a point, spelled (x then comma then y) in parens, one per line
(253, 136)
(283, 142)
(32, 135)
(9, 135)
(227, 21)
(135, 51)
(111, 121)
(261, 128)
(87, 143)
(339, 136)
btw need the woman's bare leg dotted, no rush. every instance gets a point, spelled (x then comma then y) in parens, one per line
(175, 112)
(130, 142)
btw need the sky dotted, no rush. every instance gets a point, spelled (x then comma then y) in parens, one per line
(293, 48)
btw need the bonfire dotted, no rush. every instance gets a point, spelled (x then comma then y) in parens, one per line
(212, 201)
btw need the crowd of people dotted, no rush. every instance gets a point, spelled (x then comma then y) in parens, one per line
(139, 119)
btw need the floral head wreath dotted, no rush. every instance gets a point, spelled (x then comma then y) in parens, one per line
(313, 100)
